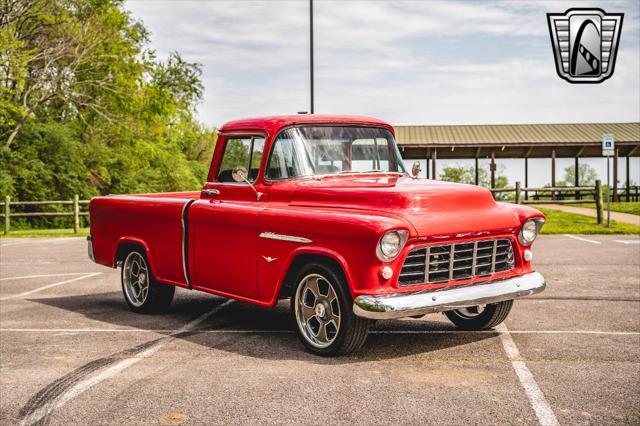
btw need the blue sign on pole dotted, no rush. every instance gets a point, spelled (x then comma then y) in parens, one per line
(608, 145)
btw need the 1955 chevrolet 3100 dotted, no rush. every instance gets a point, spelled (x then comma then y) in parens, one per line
(320, 210)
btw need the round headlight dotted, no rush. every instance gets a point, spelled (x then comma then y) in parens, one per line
(529, 232)
(391, 244)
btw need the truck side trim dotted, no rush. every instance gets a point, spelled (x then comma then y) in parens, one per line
(185, 241)
(282, 237)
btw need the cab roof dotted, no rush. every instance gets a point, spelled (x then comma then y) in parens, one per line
(272, 125)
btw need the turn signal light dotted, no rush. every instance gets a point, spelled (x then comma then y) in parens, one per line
(386, 272)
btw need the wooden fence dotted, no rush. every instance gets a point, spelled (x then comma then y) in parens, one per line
(545, 195)
(549, 195)
(7, 214)
(632, 193)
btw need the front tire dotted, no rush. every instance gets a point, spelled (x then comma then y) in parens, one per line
(480, 317)
(142, 292)
(321, 309)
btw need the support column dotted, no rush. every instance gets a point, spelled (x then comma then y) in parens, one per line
(526, 177)
(615, 197)
(628, 182)
(493, 169)
(76, 214)
(477, 177)
(426, 161)
(433, 163)
(599, 207)
(553, 173)
(577, 177)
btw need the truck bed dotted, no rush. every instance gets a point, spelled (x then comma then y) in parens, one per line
(153, 221)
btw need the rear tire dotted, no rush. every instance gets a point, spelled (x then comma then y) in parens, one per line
(473, 318)
(322, 311)
(142, 292)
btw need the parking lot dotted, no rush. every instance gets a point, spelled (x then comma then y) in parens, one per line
(72, 353)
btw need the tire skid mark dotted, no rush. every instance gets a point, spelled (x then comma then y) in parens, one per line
(59, 386)
(39, 407)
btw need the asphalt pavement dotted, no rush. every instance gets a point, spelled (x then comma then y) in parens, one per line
(72, 353)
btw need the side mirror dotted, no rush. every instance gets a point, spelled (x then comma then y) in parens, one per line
(239, 174)
(415, 169)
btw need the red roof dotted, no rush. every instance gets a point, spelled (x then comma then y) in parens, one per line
(272, 125)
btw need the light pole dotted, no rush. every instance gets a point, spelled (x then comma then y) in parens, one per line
(608, 196)
(311, 49)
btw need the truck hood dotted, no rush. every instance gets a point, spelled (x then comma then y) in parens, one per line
(434, 208)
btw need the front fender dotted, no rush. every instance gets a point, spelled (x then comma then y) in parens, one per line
(523, 212)
(317, 251)
(347, 237)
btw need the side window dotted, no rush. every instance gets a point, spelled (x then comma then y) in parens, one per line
(243, 153)
(256, 158)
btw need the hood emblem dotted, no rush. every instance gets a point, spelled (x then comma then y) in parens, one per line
(269, 259)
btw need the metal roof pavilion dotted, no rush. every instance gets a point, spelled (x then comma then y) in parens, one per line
(518, 141)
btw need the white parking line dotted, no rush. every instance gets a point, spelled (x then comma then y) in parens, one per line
(26, 293)
(39, 241)
(582, 239)
(627, 241)
(113, 370)
(540, 406)
(612, 333)
(169, 330)
(24, 277)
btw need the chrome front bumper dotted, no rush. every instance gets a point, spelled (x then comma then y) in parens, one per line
(447, 299)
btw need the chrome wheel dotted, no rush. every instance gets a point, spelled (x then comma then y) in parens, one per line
(471, 311)
(317, 310)
(135, 275)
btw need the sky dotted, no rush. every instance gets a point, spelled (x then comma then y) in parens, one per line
(406, 62)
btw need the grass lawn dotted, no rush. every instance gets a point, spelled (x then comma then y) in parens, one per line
(622, 207)
(49, 233)
(569, 223)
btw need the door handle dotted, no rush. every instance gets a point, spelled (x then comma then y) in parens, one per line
(211, 191)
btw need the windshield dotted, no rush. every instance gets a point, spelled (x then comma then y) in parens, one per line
(330, 150)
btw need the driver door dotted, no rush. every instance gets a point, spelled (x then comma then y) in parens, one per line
(223, 222)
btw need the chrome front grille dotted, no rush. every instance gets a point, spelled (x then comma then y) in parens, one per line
(459, 261)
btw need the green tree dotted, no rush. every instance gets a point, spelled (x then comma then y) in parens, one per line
(587, 176)
(87, 108)
(462, 174)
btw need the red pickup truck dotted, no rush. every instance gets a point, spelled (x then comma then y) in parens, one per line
(320, 210)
